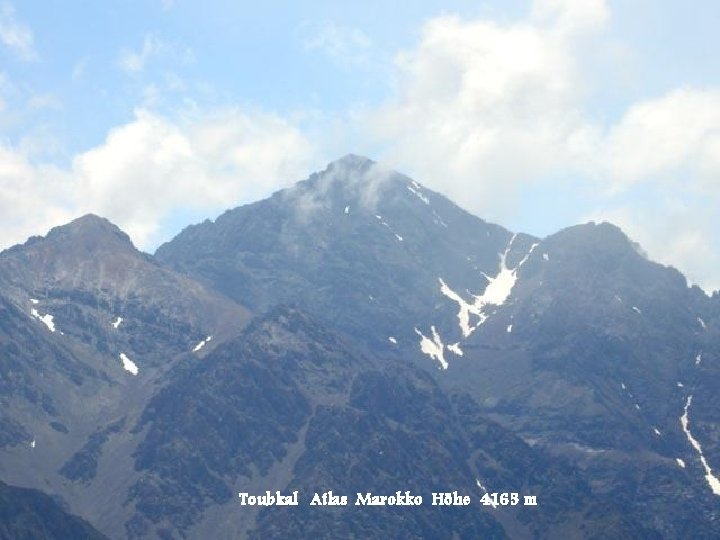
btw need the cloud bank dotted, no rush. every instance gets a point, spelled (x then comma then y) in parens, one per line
(152, 168)
(489, 112)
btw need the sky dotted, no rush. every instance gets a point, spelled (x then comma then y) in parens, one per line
(535, 114)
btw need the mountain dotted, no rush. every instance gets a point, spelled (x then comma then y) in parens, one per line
(88, 281)
(358, 332)
(89, 327)
(27, 514)
(356, 245)
(576, 342)
(289, 406)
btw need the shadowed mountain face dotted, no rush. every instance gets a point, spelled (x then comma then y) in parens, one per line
(27, 514)
(357, 246)
(290, 406)
(577, 342)
(426, 350)
(88, 327)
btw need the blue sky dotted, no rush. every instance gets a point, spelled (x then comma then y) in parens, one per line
(534, 114)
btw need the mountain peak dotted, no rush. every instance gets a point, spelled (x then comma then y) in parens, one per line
(353, 161)
(88, 242)
(91, 232)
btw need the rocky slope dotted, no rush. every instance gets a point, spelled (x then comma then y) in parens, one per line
(425, 349)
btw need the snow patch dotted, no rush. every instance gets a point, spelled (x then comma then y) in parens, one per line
(622, 385)
(455, 348)
(128, 365)
(698, 359)
(657, 431)
(702, 323)
(680, 385)
(415, 190)
(479, 484)
(117, 323)
(34, 301)
(392, 340)
(384, 224)
(680, 462)
(32, 443)
(496, 292)
(637, 406)
(47, 320)
(509, 328)
(202, 344)
(347, 210)
(712, 480)
(637, 309)
(434, 347)
(546, 256)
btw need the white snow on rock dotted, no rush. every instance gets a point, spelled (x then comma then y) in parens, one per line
(657, 431)
(509, 328)
(47, 319)
(622, 385)
(434, 347)
(680, 385)
(34, 301)
(496, 292)
(680, 462)
(202, 344)
(347, 210)
(415, 190)
(712, 480)
(702, 323)
(698, 359)
(392, 340)
(637, 309)
(128, 365)
(637, 406)
(32, 443)
(546, 256)
(116, 324)
(491, 502)
(384, 224)
(455, 348)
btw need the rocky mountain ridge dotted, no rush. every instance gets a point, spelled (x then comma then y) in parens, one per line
(394, 339)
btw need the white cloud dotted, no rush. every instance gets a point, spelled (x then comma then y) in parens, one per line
(152, 167)
(15, 35)
(136, 61)
(674, 138)
(32, 198)
(346, 45)
(571, 16)
(485, 107)
(489, 111)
